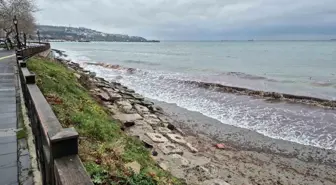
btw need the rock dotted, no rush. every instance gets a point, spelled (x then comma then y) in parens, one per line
(170, 126)
(164, 130)
(154, 153)
(175, 138)
(164, 166)
(214, 182)
(191, 148)
(150, 116)
(123, 103)
(127, 117)
(180, 160)
(157, 138)
(129, 90)
(115, 96)
(164, 119)
(140, 122)
(77, 75)
(146, 103)
(138, 96)
(104, 96)
(200, 172)
(141, 109)
(134, 166)
(168, 149)
(129, 124)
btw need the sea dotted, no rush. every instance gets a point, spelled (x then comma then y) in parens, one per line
(161, 71)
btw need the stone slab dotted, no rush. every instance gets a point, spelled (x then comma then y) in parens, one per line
(175, 138)
(127, 117)
(169, 148)
(156, 137)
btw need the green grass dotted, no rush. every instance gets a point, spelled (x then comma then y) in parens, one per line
(105, 148)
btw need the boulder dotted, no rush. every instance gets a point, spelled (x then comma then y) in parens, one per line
(92, 74)
(152, 121)
(134, 166)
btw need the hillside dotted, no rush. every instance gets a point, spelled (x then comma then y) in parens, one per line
(84, 34)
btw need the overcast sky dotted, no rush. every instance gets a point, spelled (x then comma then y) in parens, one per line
(197, 19)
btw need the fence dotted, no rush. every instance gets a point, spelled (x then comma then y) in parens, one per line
(57, 147)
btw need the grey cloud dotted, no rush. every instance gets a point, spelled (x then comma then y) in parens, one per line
(193, 19)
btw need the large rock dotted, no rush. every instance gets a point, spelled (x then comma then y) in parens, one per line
(134, 166)
(114, 96)
(127, 117)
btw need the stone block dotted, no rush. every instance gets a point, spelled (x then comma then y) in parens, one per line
(127, 117)
(177, 139)
(158, 138)
(169, 148)
(123, 103)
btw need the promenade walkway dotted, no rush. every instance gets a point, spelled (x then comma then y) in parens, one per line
(8, 120)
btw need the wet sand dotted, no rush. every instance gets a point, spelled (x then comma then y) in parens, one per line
(254, 158)
(196, 123)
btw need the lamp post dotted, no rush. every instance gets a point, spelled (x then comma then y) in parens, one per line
(25, 39)
(38, 35)
(15, 21)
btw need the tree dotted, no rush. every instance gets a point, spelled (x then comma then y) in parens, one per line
(23, 10)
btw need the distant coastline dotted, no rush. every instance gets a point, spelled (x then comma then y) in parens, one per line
(72, 34)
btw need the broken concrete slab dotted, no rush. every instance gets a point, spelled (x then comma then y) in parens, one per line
(191, 148)
(141, 109)
(169, 148)
(175, 138)
(180, 160)
(123, 103)
(127, 117)
(104, 96)
(150, 116)
(156, 137)
(163, 130)
(152, 121)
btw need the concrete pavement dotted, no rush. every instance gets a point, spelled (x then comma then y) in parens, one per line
(8, 120)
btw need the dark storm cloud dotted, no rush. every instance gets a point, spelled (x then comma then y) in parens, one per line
(195, 19)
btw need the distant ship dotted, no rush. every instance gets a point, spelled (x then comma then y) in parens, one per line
(250, 40)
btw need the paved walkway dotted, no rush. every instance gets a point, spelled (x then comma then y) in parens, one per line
(8, 121)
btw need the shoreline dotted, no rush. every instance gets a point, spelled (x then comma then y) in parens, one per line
(247, 157)
(266, 95)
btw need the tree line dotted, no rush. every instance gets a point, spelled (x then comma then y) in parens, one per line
(23, 10)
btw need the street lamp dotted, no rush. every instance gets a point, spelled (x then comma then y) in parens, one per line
(15, 21)
(38, 35)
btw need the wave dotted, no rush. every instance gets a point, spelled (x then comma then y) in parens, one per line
(269, 96)
(141, 62)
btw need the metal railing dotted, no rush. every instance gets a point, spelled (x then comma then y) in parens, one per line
(56, 147)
